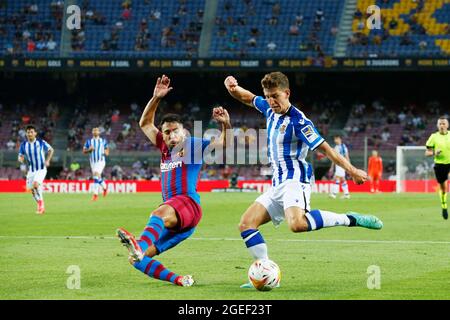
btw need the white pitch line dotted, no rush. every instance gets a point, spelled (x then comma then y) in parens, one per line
(238, 239)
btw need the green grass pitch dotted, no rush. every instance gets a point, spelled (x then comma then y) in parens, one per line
(412, 251)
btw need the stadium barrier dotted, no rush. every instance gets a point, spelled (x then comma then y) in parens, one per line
(150, 64)
(133, 186)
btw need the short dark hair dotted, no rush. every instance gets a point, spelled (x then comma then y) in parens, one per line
(337, 136)
(29, 127)
(443, 118)
(170, 117)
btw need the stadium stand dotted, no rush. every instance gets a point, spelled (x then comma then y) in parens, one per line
(242, 28)
(286, 28)
(141, 28)
(31, 28)
(409, 28)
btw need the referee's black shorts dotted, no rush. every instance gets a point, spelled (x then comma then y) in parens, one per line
(441, 171)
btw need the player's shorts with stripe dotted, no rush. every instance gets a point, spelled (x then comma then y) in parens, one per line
(339, 172)
(441, 171)
(188, 211)
(36, 176)
(98, 166)
(290, 193)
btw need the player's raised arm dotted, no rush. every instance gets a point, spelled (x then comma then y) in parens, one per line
(147, 122)
(359, 176)
(238, 92)
(221, 115)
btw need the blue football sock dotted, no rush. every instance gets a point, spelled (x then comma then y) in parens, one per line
(318, 219)
(151, 233)
(153, 268)
(255, 243)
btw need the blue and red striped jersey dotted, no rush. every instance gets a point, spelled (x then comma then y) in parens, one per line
(180, 171)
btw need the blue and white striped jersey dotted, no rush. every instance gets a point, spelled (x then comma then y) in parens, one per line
(289, 137)
(34, 152)
(98, 154)
(341, 149)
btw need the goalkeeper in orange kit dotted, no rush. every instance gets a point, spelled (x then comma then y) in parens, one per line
(375, 171)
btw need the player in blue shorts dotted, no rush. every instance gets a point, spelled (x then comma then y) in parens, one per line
(290, 136)
(181, 160)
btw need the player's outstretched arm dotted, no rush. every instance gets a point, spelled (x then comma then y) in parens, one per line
(221, 115)
(147, 122)
(238, 92)
(359, 176)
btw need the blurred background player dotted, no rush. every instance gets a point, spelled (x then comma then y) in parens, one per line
(34, 150)
(176, 218)
(438, 146)
(375, 170)
(290, 136)
(339, 172)
(98, 148)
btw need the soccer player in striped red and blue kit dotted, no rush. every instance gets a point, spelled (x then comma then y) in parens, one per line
(181, 160)
(34, 150)
(290, 136)
(97, 147)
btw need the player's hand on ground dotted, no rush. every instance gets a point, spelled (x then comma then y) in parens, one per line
(162, 87)
(221, 115)
(359, 176)
(231, 83)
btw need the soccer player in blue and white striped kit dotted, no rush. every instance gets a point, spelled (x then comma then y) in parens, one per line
(98, 148)
(34, 151)
(290, 136)
(339, 172)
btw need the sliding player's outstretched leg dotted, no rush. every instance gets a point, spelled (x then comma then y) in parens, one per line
(151, 267)
(162, 232)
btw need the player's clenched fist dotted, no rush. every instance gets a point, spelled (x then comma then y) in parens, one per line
(221, 115)
(231, 83)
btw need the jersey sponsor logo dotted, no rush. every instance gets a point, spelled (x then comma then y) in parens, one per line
(309, 133)
(170, 166)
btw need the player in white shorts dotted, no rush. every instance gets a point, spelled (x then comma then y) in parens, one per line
(34, 152)
(339, 172)
(97, 148)
(290, 134)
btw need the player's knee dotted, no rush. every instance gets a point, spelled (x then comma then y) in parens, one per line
(298, 226)
(35, 185)
(246, 223)
(150, 252)
(158, 213)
